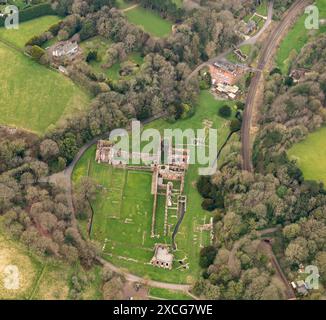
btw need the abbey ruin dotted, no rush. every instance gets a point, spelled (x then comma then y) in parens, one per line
(168, 180)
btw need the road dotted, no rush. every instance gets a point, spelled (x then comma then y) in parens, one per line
(251, 41)
(268, 51)
(132, 278)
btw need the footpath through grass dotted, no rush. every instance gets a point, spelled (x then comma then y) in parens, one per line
(123, 208)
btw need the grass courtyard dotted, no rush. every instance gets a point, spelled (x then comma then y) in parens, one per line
(296, 39)
(123, 208)
(310, 155)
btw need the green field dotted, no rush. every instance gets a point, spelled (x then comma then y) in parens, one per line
(263, 8)
(33, 97)
(123, 208)
(27, 30)
(150, 21)
(310, 155)
(296, 38)
(164, 294)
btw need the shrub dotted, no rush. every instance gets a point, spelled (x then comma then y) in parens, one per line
(36, 52)
(235, 125)
(209, 205)
(55, 28)
(225, 111)
(36, 11)
(240, 105)
(91, 56)
(205, 187)
(289, 81)
(207, 256)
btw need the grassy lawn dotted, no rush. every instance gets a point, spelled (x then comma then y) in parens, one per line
(33, 97)
(123, 208)
(27, 30)
(311, 156)
(263, 8)
(297, 37)
(101, 44)
(150, 21)
(164, 294)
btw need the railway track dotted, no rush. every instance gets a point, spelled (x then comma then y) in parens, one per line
(268, 51)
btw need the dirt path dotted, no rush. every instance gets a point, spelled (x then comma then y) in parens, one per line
(156, 284)
(130, 8)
